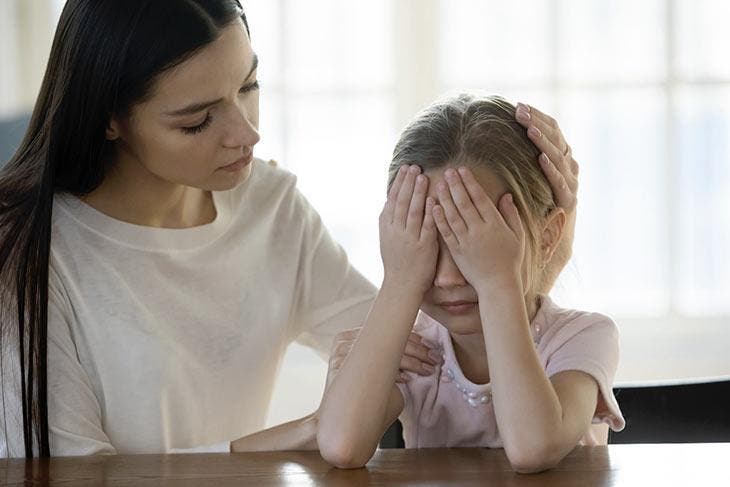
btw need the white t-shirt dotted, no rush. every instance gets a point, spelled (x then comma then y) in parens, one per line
(162, 340)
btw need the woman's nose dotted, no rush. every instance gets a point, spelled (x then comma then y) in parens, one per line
(448, 274)
(241, 131)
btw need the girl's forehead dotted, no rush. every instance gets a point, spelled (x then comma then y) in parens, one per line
(489, 181)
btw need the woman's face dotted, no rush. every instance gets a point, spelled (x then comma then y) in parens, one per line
(200, 124)
(451, 300)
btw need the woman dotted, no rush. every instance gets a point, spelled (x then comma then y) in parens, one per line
(152, 272)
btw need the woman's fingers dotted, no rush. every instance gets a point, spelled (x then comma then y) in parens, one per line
(545, 133)
(412, 364)
(564, 196)
(422, 353)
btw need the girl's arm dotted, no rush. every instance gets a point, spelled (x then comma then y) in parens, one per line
(362, 400)
(539, 420)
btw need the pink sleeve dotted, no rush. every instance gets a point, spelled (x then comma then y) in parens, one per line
(590, 344)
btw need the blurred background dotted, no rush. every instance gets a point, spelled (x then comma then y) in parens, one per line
(641, 90)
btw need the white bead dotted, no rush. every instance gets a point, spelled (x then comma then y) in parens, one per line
(472, 394)
(466, 398)
(450, 373)
(483, 399)
(473, 403)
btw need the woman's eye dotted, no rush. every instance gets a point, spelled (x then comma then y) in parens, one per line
(198, 128)
(250, 87)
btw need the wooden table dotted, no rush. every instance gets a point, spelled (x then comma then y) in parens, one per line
(624, 465)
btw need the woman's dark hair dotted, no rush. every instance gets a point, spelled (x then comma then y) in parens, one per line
(106, 57)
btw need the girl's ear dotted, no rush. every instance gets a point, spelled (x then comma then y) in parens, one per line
(551, 234)
(113, 130)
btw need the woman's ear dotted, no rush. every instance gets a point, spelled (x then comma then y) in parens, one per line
(113, 130)
(551, 234)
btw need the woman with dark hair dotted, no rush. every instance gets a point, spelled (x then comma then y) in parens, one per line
(152, 271)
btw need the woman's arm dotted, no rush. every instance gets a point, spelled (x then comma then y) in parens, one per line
(300, 434)
(539, 421)
(362, 400)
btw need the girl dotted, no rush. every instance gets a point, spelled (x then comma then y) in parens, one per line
(467, 235)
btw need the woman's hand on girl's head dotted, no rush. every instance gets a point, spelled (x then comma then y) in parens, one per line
(408, 243)
(487, 244)
(561, 170)
(556, 158)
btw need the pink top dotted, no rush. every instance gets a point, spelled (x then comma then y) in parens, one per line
(447, 410)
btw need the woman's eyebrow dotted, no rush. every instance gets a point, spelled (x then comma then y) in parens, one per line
(199, 106)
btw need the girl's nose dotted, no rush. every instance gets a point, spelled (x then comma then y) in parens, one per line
(448, 274)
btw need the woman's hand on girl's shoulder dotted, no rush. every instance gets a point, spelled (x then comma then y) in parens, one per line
(408, 244)
(418, 357)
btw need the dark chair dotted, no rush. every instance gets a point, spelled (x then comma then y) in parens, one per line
(393, 437)
(685, 413)
(11, 133)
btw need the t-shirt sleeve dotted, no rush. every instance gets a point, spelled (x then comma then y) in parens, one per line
(332, 296)
(74, 417)
(590, 344)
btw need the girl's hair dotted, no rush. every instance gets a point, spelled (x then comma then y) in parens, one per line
(480, 132)
(105, 59)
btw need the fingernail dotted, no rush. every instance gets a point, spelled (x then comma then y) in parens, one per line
(544, 159)
(429, 369)
(420, 179)
(415, 169)
(462, 170)
(523, 106)
(523, 115)
(534, 131)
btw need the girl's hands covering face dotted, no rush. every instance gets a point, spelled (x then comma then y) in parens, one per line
(408, 243)
(487, 243)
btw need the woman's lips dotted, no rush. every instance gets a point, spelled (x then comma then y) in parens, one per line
(239, 164)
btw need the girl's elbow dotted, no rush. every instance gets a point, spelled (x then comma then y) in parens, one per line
(341, 453)
(533, 460)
